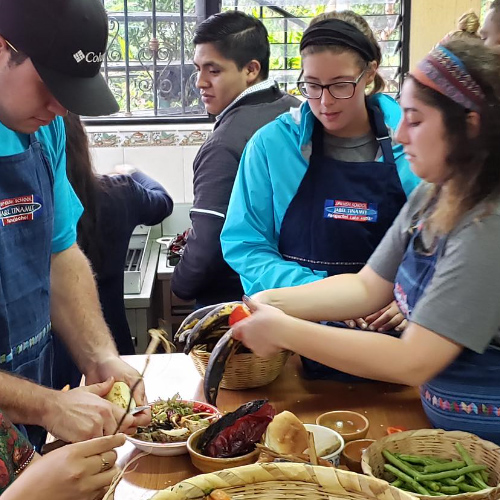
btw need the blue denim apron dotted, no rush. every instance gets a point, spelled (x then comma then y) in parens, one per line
(466, 395)
(340, 214)
(26, 226)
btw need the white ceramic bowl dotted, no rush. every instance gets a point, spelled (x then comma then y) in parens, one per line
(325, 438)
(170, 449)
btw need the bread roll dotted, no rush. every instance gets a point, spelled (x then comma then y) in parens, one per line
(286, 434)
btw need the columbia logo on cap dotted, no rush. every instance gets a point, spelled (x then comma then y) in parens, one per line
(90, 57)
(79, 56)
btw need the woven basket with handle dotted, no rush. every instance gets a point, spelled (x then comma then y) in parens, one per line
(245, 370)
(441, 444)
(280, 481)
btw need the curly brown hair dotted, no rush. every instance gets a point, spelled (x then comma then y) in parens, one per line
(474, 162)
(362, 25)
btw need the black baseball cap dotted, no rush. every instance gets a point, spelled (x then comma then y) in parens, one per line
(66, 42)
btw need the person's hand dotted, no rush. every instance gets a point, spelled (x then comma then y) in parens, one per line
(263, 329)
(125, 169)
(115, 367)
(388, 318)
(82, 414)
(81, 470)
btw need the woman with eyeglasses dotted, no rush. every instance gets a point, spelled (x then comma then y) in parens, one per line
(318, 188)
(439, 260)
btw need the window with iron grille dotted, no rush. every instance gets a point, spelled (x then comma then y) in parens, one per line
(149, 65)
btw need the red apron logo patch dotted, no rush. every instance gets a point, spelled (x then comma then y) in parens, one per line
(357, 211)
(402, 300)
(20, 209)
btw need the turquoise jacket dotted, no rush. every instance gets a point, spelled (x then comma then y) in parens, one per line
(271, 169)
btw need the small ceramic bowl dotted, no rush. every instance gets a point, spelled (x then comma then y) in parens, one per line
(352, 453)
(349, 424)
(209, 464)
(325, 439)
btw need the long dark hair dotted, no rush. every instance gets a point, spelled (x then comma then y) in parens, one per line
(474, 162)
(86, 184)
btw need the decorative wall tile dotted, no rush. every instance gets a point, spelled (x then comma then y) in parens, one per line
(194, 138)
(139, 136)
(104, 139)
(135, 139)
(164, 138)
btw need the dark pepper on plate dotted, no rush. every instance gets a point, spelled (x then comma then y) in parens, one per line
(236, 433)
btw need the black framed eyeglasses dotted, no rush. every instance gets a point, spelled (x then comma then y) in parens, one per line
(338, 90)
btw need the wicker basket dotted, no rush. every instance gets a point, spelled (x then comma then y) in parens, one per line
(244, 371)
(279, 481)
(437, 443)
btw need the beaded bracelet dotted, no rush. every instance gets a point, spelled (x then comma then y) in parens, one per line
(25, 464)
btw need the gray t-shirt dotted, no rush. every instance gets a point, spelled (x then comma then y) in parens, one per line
(351, 149)
(462, 300)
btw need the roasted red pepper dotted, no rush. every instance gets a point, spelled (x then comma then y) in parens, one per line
(239, 313)
(240, 437)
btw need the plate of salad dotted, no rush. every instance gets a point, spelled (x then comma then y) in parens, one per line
(173, 420)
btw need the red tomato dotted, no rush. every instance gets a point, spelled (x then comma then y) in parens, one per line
(239, 313)
(394, 429)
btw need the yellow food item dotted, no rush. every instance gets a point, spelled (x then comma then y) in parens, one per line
(286, 434)
(120, 396)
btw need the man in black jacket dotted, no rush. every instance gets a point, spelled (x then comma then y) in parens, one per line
(232, 59)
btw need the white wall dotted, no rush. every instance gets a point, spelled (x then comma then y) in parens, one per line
(171, 165)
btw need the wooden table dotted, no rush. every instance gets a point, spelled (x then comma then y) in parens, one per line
(383, 404)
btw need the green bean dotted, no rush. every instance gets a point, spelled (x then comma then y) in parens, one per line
(415, 460)
(450, 490)
(481, 478)
(443, 467)
(459, 479)
(477, 480)
(407, 479)
(432, 485)
(450, 473)
(467, 488)
(464, 454)
(407, 469)
(397, 483)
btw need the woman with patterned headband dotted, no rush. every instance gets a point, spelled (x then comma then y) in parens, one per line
(318, 188)
(439, 259)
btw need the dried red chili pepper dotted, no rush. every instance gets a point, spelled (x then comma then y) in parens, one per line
(240, 437)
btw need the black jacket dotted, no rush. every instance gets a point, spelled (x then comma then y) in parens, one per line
(124, 202)
(202, 274)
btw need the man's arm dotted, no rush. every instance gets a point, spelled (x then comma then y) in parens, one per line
(202, 261)
(75, 415)
(77, 318)
(76, 312)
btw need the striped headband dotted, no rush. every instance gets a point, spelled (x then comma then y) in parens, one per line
(444, 72)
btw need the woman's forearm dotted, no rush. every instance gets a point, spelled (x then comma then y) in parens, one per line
(336, 298)
(411, 360)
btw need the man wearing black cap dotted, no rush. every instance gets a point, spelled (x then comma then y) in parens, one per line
(50, 56)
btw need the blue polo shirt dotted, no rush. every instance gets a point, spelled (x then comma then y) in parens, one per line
(67, 207)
